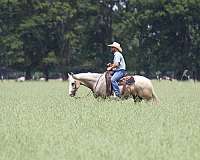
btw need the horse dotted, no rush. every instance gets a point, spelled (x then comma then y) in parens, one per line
(141, 89)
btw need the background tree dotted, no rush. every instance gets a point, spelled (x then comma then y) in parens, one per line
(63, 36)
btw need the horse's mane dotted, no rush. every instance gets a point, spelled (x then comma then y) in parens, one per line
(87, 75)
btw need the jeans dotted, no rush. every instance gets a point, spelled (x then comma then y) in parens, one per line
(117, 75)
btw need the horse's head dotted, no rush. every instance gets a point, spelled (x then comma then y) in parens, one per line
(73, 85)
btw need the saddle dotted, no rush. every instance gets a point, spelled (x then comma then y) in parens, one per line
(124, 81)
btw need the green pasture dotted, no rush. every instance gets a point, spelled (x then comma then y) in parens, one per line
(39, 121)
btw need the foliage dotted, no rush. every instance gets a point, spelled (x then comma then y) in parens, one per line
(155, 35)
(39, 122)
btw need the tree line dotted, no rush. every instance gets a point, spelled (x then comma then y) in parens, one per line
(64, 35)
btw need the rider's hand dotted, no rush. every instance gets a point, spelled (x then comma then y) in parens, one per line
(109, 68)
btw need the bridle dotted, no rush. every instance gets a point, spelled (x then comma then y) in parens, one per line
(74, 87)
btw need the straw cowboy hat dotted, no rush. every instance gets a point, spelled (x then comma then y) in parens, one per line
(116, 45)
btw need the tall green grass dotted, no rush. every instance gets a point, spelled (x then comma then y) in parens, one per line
(39, 121)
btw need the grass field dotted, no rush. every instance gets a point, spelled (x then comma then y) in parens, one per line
(39, 121)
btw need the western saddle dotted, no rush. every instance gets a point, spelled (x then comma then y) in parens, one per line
(124, 81)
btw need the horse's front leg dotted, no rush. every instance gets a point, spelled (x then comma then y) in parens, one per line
(125, 91)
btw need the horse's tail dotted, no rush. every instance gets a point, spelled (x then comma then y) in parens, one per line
(155, 98)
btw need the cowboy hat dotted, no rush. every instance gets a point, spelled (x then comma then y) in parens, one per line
(116, 45)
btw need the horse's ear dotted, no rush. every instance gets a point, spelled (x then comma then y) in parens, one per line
(73, 76)
(70, 74)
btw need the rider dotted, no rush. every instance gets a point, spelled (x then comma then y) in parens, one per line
(118, 67)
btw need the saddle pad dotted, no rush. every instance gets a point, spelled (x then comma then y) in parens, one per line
(127, 80)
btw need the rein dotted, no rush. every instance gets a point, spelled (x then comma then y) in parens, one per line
(85, 95)
(97, 82)
(92, 90)
(82, 96)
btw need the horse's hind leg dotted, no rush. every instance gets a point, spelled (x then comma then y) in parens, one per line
(137, 99)
(136, 94)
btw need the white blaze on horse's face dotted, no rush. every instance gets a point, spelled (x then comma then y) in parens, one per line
(72, 86)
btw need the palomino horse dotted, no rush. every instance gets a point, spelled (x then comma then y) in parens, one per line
(142, 88)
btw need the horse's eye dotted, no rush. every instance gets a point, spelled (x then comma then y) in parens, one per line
(73, 84)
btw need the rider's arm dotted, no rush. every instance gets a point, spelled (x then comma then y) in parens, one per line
(112, 66)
